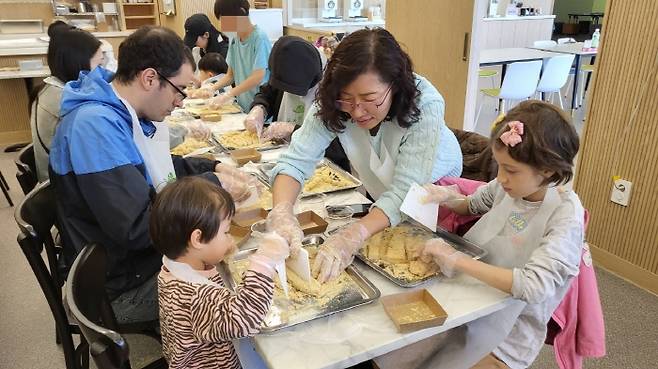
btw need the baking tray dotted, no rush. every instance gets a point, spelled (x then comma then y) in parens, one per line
(341, 171)
(269, 145)
(459, 243)
(266, 168)
(360, 292)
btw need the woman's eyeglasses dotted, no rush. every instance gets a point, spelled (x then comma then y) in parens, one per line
(348, 106)
(180, 92)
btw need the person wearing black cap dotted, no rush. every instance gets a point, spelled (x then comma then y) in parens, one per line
(200, 32)
(296, 70)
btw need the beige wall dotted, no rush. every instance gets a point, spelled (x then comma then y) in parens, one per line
(621, 139)
(184, 9)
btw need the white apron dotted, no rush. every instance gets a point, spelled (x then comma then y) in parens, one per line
(154, 150)
(482, 336)
(375, 171)
(293, 108)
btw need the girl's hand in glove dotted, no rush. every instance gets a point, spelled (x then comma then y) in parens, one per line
(441, 253)
(272, 250)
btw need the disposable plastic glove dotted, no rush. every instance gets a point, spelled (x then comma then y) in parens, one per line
(198, 131)
(272, 250)
(279, 130)
(282, 220)
(201, 93)
(234, 185)
(233, 171)
(221, 100)
(255, 120)
(448, 196)
(444, 255)
(338, 252)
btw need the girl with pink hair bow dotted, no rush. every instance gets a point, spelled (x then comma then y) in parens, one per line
(531, 228)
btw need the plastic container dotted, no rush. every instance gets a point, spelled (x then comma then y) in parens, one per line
(596, 37)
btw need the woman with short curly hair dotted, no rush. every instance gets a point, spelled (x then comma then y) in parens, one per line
(390, 122)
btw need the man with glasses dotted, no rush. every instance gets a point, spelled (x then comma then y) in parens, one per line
(110, 156)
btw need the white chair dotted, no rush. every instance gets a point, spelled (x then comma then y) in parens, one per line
(566, 40)
(544, 43)
(520, 83)
(555, 75)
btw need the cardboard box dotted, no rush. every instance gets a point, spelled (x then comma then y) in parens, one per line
(411, 311)
(243, 156)
(311, 223)
(240, 235)
(245, 219)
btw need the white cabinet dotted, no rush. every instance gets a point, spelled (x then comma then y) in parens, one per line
(515, 32)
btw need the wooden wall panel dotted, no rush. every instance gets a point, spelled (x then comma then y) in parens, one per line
(621, 138)
(184, 9)
(27, 10)
(437, 48)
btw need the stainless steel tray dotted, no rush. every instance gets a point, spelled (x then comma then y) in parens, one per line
(360, 292)
(326, 162)
(270, 145)
(459, 243)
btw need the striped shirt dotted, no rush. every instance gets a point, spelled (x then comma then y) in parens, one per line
(198, 321)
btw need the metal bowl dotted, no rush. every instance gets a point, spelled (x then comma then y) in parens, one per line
(339, 212)
(313, 240)
(259, 226)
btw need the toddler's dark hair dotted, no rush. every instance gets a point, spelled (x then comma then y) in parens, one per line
(181, 207)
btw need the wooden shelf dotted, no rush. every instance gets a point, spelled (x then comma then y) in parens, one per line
(84, 14)
(140, 17)
(137, 4)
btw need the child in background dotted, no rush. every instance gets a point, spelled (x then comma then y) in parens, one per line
(212, 68)
(199, 317)
(248, 52)
(532, 230)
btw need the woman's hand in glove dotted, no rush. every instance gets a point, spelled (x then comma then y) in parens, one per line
(282, 220)
(338, 252)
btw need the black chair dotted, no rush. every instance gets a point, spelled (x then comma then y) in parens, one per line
(26, 167)
(89, 305)
(5, 189)
(36, 216)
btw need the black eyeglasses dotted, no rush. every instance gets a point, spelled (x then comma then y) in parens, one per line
(348, 106)
(183, 95)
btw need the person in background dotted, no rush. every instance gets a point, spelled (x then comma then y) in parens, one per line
(532, 230)
(110, 156)
(296, 70)
(248, 52)
(212, 68)
(327, 45)
(390, 122)
(70, 51)
(199, 317)
(199, 32)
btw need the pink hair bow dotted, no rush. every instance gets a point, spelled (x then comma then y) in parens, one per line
(513, 136)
